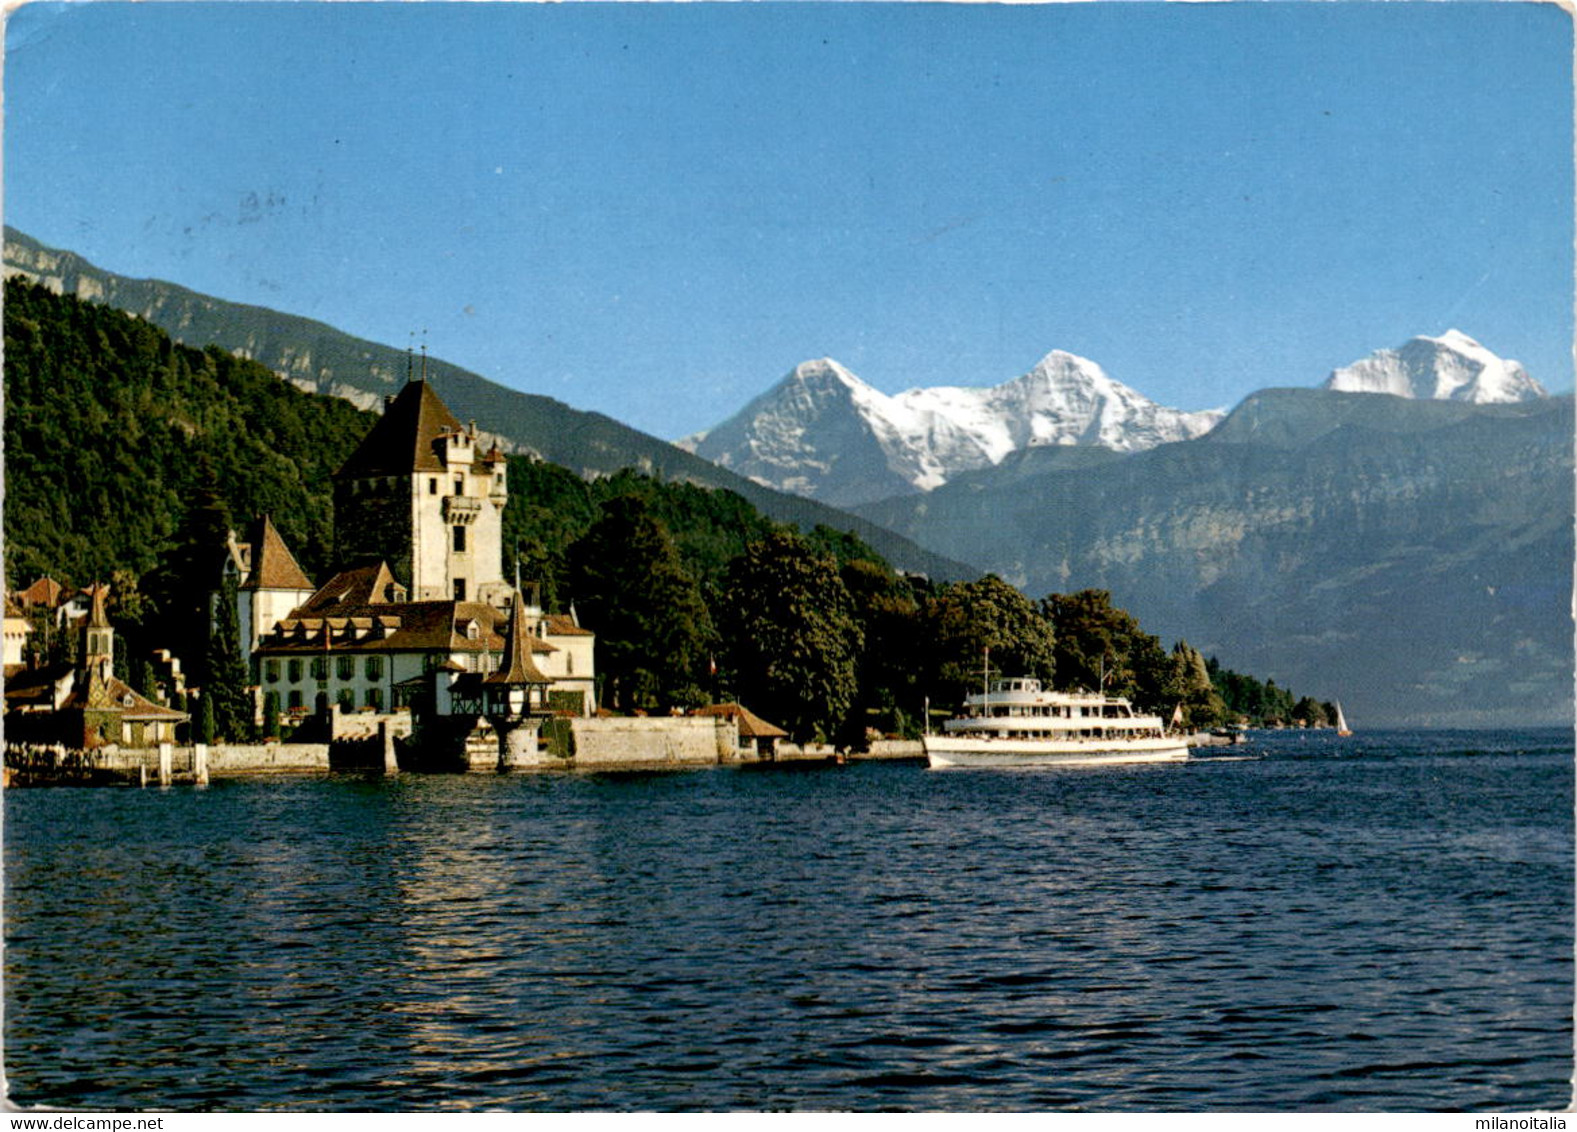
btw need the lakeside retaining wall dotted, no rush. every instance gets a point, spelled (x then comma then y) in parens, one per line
(266, 758)
(893, 749)
(646, 741)
(632, 743)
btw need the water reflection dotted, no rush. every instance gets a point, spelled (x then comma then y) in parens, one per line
(1281, 932)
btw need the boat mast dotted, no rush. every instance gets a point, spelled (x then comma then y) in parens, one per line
(985, 677)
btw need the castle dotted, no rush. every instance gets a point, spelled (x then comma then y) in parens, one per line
(421, 600)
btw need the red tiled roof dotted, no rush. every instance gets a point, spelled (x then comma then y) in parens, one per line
(45, 591)
(422, 626)
(560, 625)
(351, 590)
(132, 704)
(751, 726)
(36, 688)
(273, 566)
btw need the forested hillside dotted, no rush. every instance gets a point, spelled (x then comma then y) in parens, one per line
(113, 431)
(129, 456)
(329, 361)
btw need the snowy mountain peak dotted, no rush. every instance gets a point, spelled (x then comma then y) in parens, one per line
(824, 372)
(1451, 367)
(823, 432)
(1454, 339)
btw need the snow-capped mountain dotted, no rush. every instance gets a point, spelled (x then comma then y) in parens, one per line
(1452, 367)
(824, 433)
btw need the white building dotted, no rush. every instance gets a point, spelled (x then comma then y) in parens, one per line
(357, 644)
(423, 512)
(418, 495)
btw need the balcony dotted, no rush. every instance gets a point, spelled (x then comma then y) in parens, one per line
(461, 508)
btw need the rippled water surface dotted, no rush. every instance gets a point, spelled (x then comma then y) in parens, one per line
(1382, 923)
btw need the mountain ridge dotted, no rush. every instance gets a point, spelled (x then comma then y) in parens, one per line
(823, 432)
(316, 357)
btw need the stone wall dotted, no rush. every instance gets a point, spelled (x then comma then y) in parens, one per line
(650, 741)
(893, 749)
(182, 764)
(262, 758)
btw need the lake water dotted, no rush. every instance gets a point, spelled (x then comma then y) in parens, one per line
(1380, 923)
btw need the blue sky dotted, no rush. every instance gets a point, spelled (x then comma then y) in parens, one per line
(657, 210)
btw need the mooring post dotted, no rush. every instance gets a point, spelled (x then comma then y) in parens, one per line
(200, 764)
(166, 763)
(391, 765)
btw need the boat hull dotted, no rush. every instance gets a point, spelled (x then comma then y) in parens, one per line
(946, 751)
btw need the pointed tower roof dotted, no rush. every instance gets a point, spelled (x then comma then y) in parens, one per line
(273, 566)
(518, 667)
(98, 618)
(403, 439)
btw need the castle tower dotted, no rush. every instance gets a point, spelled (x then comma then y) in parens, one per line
(418, 495)
(98, 655)
(273, 584)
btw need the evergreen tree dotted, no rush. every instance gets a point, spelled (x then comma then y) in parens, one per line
(271, 715)
(792, 641)
(145, 682)
(189, 574)
(204, 724)
(1193, 689)
(226, 687)
(653, 629)
(1311, 713)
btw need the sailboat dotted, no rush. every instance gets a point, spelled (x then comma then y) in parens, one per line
(1341, 721)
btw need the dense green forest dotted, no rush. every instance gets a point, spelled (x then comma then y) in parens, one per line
(129, 457)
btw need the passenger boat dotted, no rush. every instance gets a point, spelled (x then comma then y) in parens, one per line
(1013, 722)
